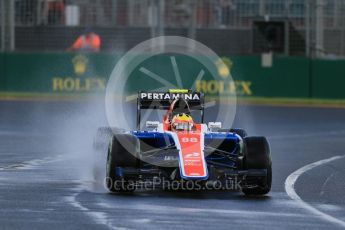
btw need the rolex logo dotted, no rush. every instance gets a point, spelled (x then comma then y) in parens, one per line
(79, 64)
(224, 67)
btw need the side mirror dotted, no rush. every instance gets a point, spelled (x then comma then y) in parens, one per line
(214, 126)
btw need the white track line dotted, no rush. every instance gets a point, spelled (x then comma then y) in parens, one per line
(290, 190)
(31, 163)
(234, 212)
(97, 216)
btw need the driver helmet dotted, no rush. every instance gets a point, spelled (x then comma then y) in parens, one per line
(182, 122)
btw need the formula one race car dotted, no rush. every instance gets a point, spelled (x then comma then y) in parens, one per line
(177, 149)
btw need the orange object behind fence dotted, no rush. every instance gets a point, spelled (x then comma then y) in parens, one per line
(87, 42)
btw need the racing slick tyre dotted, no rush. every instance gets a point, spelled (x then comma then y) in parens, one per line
(122, 152)
(257, 156)
(241, 132)
(100, 144)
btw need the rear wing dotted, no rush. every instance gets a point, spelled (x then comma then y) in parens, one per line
(163, 100)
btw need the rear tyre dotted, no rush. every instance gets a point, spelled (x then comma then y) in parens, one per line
(122, 152)
(257, 156)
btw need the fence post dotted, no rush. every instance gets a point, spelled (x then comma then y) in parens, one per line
(2, 13)
(8, 23)
(192, 28)
(307, 28)
(319, 28)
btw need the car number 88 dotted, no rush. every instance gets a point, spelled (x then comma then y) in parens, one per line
(189, 139)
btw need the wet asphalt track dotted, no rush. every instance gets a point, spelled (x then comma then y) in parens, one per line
(46, 181)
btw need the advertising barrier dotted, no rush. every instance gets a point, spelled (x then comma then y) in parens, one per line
(328, 79)
(2, 72)
(79, 74)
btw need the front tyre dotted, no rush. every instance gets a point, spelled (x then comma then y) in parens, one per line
(257, 156)
(122, 152)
